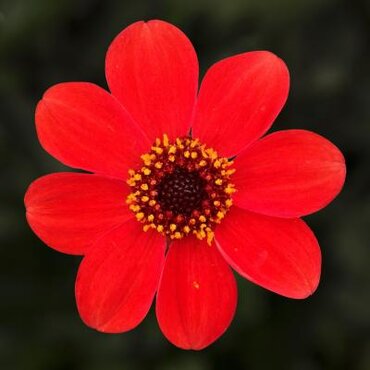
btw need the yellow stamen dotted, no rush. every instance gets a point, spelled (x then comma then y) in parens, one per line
(202, 218)
(146, 171)
(165, 140)
(186, 229)
(140, 215)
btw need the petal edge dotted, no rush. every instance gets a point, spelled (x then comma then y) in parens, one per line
(197, 295)
(69, 211)
(117, 279)
(239, 99)
(288, 173)
(281, 255)
(152, 68)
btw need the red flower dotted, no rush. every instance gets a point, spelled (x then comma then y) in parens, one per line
(158, 155)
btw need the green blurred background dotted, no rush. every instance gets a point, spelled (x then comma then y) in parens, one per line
(326, 46)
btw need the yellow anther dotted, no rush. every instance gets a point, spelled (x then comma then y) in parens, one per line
(158, 165)
(211, 153)
(144, 186)
(229, 190)
(131, 197)
(157, 141)
(131, 172)
(216, 203)
(173, 227)
(137, 177)
(220, 215)
(202, 218)
(135, 207)
(217, 163)
(194, 155)
(145, 198)
(186, 154)
(194, 143)
(218, 182)
(157, 149)
(179, 143)
(160, 228)
(171, 158)
(186, 229)
(172, 149)
(192, 221)
(140, 216)
(165, 140)
(210, 236)
(202, 163)
(146, 159)
(228, 202)
(147, 227)
(131, 182)
(230, 172)
(151, 218)
(152, 202)
(146, 171)
(177, 235)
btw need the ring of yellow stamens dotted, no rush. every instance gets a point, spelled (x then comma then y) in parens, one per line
(156, 197)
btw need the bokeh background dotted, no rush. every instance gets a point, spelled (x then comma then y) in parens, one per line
(326, 46)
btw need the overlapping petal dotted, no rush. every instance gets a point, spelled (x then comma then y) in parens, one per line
(152, 69)
(117, 279)
(288, 174)
(69, 211)
(279, 254)
(84, 127)
(239, 99)
(197, 294)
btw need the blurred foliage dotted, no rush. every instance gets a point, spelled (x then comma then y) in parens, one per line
(326, 46)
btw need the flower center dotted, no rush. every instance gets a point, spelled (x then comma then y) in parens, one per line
(181, 191)
(182, 188)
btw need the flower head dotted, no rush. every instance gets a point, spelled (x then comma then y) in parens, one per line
(181, 185)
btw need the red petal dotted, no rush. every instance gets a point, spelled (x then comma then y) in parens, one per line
(239, 99)
(197, 295)
(288, 174)
(117, 280)
(279, 254)
(83, 126)
(69, 211)
(152, 69)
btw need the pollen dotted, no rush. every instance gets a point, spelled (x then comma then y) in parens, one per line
(182, 188)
